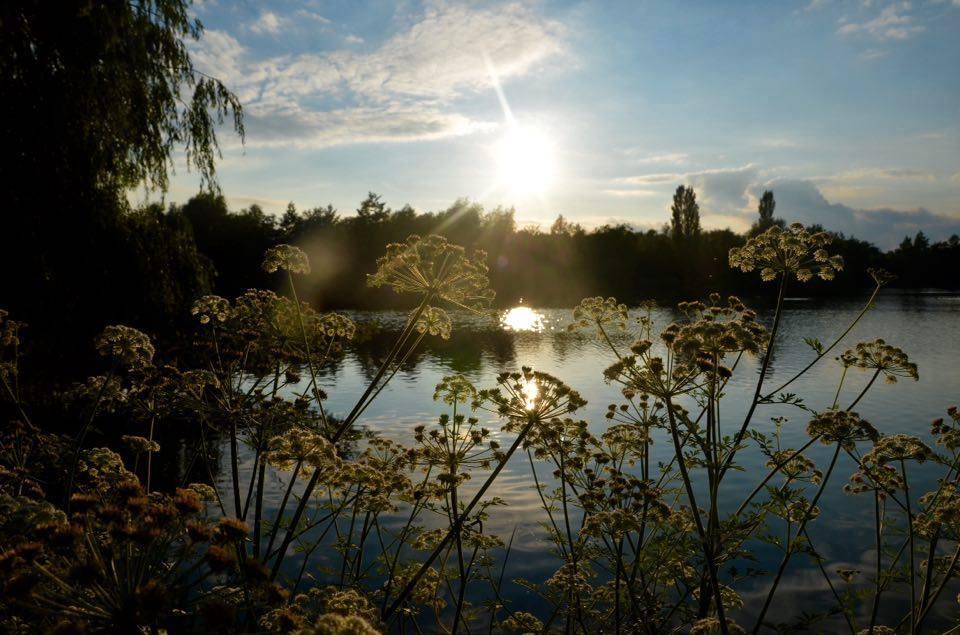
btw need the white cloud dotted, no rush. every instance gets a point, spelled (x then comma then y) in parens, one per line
(650, 179)
(268, 22)
(728, 197)
(669, 158)
(401, 91)
(631, 193)
(879, 174)
(894, 22)
(353, 39)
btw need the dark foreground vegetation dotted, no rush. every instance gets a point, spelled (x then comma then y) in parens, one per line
(373, 535)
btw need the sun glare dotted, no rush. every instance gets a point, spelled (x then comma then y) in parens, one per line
(521, 318)
(525, 161)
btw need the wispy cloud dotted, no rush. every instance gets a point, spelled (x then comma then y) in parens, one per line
(268, 22)
(404, 90)
(879, 174)
(894, 22)
(667, 158)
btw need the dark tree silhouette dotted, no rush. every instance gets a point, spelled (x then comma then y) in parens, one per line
(685, 214)
(97, 98)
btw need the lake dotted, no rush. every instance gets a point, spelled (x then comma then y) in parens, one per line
(926, 326)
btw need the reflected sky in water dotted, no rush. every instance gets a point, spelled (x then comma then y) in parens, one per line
(926, 327)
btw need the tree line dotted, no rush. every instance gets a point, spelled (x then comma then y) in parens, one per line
(554, 267)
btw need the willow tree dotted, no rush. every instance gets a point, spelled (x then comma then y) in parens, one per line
(99, 99)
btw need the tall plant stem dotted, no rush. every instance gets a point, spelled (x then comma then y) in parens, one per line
(315, 477)
(763, 372)
(408, 588)
(827, 350)
(936, 593)
(789, 552)
(283, 506)
(911, 532)
(878, 541)
(864, 391)
(833, 590)
(306, 348)
(694, 508)
(83, 435)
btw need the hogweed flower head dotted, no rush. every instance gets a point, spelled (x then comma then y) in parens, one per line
(302, 446)
(433, 267)
(286, 258)
(599, 312)
(139, 445)
(793, 251)
(455, 389)
(841, 426)
(435, 321)
(940, 515)
(530, 396)
(891, 361)
(211, 309)
(898, 447)
(126, 346)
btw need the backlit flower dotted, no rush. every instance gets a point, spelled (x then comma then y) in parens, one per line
(286, 258)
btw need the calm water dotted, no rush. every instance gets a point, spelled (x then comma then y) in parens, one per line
(926, 326)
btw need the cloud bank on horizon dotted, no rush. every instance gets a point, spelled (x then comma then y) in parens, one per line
(844, 108)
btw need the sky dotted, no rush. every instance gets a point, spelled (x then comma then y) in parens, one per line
(849, 110)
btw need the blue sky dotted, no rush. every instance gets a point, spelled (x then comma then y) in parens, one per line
(848, 109)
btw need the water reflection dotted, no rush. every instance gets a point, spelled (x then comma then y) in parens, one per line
(522, 318)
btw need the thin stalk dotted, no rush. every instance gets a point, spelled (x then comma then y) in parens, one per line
(408, 589)
(707, 547)
(878, 539)
(864, 391)
(763, 372)
(829, 348)
(913, 572)
(833, 590)
(789, 553)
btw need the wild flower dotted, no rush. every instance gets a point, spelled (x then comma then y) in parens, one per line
(529, 396)
(897, 447)
(881, 478)
(304, 448)
(947, 434)
(841, 426)
(599, 313)
(881, 277)
(940, 515)
(126, 346)
(333, 624)
(711, 626)
(793, 251)
(522, 622)
(432, 267)
(455, 389)
(717, 329)
(877, 355)
(336, 325)
(211, 309)
(286, 258)
(434, 321)
(798, 468)
(139, 445)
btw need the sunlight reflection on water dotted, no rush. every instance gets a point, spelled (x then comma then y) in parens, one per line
(521, 318)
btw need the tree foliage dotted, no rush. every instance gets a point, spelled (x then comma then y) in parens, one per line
(100, 98)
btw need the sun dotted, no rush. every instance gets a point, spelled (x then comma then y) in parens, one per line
(525, 160)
